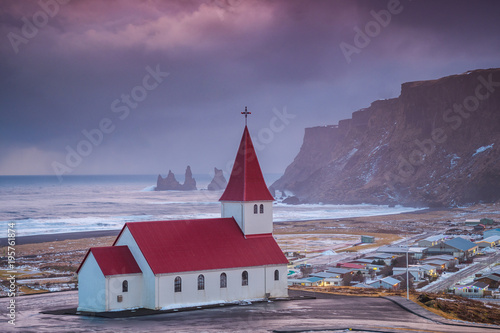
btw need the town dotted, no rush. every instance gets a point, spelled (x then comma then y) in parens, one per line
(463, 260)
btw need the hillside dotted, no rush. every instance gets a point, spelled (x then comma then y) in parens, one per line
(437, 144)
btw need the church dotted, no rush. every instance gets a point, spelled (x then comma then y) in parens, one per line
(181, 263)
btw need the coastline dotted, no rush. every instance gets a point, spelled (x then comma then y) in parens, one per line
(44, 238)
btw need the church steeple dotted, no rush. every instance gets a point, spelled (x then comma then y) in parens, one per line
(246, 182)
(247, 197)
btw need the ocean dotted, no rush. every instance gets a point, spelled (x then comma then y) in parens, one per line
(44, 205)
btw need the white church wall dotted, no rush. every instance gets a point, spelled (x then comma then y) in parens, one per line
(148, 279)
(233, 209)
(260, 223)
(91, 286)
(213, 293)
(277, 288)
(120, 299)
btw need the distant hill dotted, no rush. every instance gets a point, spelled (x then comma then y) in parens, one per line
(437, 144)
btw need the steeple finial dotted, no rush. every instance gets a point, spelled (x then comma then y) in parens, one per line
(246, 113)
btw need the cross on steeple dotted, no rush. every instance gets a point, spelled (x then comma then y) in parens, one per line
(246, 113)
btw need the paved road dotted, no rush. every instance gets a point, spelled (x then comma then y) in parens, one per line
(328, 312)
(462, 274)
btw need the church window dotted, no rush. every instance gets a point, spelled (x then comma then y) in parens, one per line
(244, 278)
(262, 209)
(255, 209)
(178, 284)
(201, 282)
(125, 286)
(276, 275)
(223, 280)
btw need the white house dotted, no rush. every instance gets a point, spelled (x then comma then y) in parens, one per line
(171, 264)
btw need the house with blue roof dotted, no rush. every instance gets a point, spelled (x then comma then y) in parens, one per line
(491, 232)
(457, 247)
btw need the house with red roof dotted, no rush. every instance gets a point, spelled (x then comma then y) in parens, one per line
(179, 263)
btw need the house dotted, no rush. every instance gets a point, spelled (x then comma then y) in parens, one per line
(392, 249)
(386, 283)
(362, 285)
(362, 261)
(385, 257)
(172, 264)
(479, 228)
(307, 282)
(367, 239)
(438, 264)
(491, 232)
(491, 241)
(329, 279)
(417, 252)
(471, 290)
(416, 271)
(457, 247)
(472, 223)
(487, 221)
(431, 240)
(492, 280)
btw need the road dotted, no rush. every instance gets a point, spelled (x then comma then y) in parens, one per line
(332, 313)
(462, 274)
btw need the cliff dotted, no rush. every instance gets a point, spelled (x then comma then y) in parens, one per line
(437, 144)
(169, 183)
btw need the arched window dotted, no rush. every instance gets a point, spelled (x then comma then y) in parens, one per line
(261, 208)
(223, 280)
(125, 286)
(178, 284)
(276, 275)
(244, 278)
(255, 209)
(201, 282)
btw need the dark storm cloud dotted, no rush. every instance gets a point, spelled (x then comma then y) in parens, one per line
(221, 55)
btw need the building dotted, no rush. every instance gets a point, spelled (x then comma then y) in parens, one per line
(386, 283)
(491, 232)
(471, 290)
(457, 247)
(311, 281)
(367, 239)
(172, 264)
(431, 240)
(329, 279)
(491, 241)
(492, 280)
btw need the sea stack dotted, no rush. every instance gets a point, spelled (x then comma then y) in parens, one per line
(219, 182)
(169, 183)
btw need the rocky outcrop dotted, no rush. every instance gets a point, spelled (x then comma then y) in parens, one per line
(437, 144)
(169, 183)
(219, 182)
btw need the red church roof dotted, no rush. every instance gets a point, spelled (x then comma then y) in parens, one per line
(246, 182)
(113, 260)
(202, 244)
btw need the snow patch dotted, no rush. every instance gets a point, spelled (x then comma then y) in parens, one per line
(483, 148)
(454, 160)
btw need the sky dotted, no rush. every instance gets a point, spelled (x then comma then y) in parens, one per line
(147, 86)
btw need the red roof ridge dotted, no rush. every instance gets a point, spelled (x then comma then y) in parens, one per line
(201, 244)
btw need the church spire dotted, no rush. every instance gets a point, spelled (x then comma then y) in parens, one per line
(246, 182)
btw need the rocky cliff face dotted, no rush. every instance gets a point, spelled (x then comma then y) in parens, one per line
(169, 183)
(437, 144)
